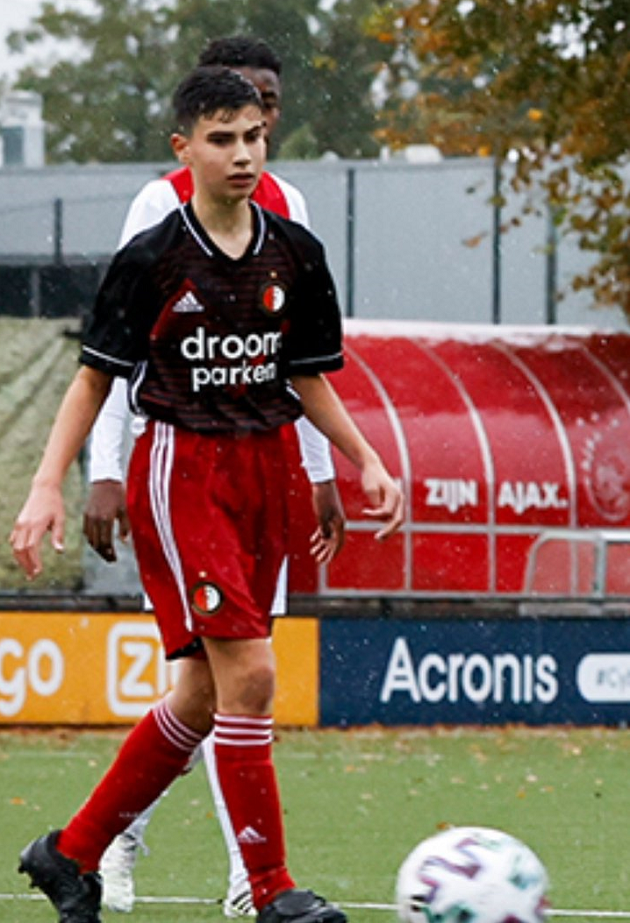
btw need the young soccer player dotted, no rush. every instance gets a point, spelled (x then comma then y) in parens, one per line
(224, 318)
(106, 504)
(254, 59)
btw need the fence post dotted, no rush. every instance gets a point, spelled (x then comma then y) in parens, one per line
(350, 238)
(496, 241)
(58, 231)
(551, 268)
(35, 291)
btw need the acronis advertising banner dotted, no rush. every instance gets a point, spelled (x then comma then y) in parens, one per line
(532, 671)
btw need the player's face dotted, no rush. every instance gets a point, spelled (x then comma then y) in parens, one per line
(267, 83)
(225, 152)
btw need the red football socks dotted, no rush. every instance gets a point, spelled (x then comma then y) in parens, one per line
(242, 748)
(152, 756)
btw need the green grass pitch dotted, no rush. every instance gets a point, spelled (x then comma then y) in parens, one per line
(355, 803)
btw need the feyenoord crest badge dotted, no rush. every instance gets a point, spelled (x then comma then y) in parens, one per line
(272, 297)
(206, 598)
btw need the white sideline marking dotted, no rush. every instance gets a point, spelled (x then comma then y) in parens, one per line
(611, 914)
(364, 905)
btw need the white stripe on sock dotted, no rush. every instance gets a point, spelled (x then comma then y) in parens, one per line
(243, 731)
(182, 737)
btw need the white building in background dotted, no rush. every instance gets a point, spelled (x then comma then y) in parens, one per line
(21, 129)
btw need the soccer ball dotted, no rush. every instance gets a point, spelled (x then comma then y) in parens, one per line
(472, 875)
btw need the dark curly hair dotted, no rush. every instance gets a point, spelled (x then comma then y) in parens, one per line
(240, 51)
(206, 90)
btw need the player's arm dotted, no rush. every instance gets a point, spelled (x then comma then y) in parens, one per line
(325, 410)
(328, 538)
(106, 501)
(44, 510)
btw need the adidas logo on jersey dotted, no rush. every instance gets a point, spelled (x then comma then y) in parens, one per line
(188, 304)
(249, 836)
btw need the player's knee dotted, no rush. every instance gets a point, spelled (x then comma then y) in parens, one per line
(193, 698)
(193, 710)
(257, 689)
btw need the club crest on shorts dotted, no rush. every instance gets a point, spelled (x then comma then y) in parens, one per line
(206, 598)
(273, 298)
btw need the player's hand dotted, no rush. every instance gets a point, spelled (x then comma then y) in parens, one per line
(385, 497)
(327, 540)
(43, 512)
(106, 504)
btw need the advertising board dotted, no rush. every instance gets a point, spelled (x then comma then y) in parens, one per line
(108, 669)
(493, 671)
(98, 669)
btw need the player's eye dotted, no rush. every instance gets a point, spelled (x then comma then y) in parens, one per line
(270, 102)
(219, 140)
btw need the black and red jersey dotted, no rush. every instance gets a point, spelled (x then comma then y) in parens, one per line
(208, 341)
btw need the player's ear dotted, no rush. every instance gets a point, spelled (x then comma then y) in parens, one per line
(180, 146)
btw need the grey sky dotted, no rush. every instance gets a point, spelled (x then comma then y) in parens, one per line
(15, 14)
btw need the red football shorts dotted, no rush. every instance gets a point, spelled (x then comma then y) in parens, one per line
(209, 524)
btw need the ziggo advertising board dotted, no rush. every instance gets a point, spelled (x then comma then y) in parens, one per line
(100, 669)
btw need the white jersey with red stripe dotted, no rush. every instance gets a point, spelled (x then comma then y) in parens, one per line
(161, 196)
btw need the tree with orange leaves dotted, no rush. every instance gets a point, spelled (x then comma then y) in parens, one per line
(543, 81)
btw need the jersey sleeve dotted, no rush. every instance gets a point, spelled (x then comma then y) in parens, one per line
(296, 203)
(314, 337)
(153, 203)
(314, 452)
(107, 436)
(116, 334)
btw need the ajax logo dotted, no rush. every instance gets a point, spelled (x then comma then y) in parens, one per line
(606, 468)
(137, 672)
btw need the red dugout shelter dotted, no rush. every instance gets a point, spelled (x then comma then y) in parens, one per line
(513, 446)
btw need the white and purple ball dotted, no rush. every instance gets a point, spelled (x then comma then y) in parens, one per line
(472, 875)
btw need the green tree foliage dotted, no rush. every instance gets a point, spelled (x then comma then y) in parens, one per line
(106, 96)
(346, 63)
(545, 81)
